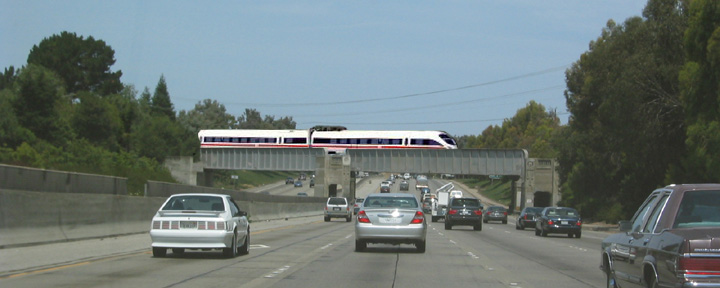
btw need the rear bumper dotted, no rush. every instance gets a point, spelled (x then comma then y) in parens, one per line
(463, 220)
(191, 239)
(562, 229)
(412, 233)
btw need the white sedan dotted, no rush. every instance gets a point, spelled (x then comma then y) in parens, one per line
(200, 221)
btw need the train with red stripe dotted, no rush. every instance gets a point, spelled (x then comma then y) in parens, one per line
(332, 139)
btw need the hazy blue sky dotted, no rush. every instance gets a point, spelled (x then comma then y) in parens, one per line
(457, 66)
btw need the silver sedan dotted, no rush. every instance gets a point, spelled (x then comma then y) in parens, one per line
(200, 221)
(392, 218)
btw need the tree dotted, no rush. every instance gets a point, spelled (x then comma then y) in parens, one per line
(625, 127)
(251, 119)
(8, 77)
(83, 64)
(161, 104)
(37, 105)
(12, 134)
(97, 120)
(699, 80)
(208, 114)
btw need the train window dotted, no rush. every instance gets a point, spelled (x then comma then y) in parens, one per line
(321, 140)
(395, 141)
(295, 140)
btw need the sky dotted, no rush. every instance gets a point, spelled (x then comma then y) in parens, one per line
(455, 66)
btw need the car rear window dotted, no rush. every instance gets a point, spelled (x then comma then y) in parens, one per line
(562, 212)
(390, 202)
(337, 201)
(699, 209)
(466, 202)
(203, 203)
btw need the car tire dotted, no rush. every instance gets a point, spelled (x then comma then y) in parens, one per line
(348, 219)
(578, 235)
(448, 226)
(327, 218)
(570, 235)
(232, 251)
(478, 227)
(360, 245)
(537, 232)
(178, 250)
(420, 246)
(433, 219)
(159, 252)
(517, 227)
(505, 221)
(543, 233)
(244, 250)
(485, 221)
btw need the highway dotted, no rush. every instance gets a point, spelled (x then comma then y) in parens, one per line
(308, 252)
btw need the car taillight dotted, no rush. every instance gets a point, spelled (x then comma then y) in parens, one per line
(550, 222)
(452, 212)
(478, 212)
(525, 217)
(362, 217)
(419, 217)
(505, 213)
(579, 223)
(156, 225)
(699, 266)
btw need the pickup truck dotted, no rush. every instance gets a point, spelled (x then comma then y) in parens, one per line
(672, 241)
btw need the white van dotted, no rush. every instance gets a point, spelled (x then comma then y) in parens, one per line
(456, 194)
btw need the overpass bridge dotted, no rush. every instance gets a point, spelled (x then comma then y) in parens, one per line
(338, 169)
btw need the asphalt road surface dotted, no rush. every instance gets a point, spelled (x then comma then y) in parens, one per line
(308, 252)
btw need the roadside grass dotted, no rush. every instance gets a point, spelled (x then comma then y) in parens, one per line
(496, 190)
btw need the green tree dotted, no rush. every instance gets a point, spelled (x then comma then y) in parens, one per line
(8, 77)
(252, 119)
(626, 125)
(37, 105)
(161, 104)
(97, 120)
(12, 134)
(83, 64)
(208, 114)
(699, 80)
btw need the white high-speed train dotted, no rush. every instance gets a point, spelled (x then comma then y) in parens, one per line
(345, 139)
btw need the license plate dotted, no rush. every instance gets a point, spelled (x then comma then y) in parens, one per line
(389, 220)
(336, 208)
(465, 213)
(564, 222)
(188, 224)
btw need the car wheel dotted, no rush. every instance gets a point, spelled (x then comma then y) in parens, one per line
(327, 219)
(420, 246)
(517, 227)
(448, 226)
(360, 245)
(485, 221)
(159, 251)
(178, 250)
(578, 234)
(570, 235)
(478, 227)
(232, 251)
(505, 221)
(543, 232)
(348, 219)
(433, 218)
(246, 245)
(537, 232)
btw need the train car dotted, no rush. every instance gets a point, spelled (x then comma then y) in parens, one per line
(344, 139)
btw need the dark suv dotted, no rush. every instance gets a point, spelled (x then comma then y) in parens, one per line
(464, 211)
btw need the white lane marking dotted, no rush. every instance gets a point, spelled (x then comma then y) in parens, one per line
(277, 271)
(326, 246)
(258, 246)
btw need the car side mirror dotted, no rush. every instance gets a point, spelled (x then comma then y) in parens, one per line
(625, 226)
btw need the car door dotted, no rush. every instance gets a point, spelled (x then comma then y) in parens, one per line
(626, 261)
(240, 218)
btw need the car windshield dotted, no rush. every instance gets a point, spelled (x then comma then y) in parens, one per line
(390, 202)
(204, 203)
(466, 202)
(562, 212)
(337, 201)
(496, 208)
(699, 209)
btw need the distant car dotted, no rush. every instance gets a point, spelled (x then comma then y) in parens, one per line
(404, 186)
(302, 194)
(424, 190)
(672, 241)
(406, 176)
(357, 205)
(312, 182)
(289, 180)
(464, 211)
(337, 207)
(298, 183)
(200, 221)
(427, 205)
(302, 176)
(526, 219)
(392, 218)
(384, 189)
(456, 194)
(561, 220)
(495, 213)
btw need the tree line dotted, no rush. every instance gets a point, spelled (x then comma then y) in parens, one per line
(643, 103)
